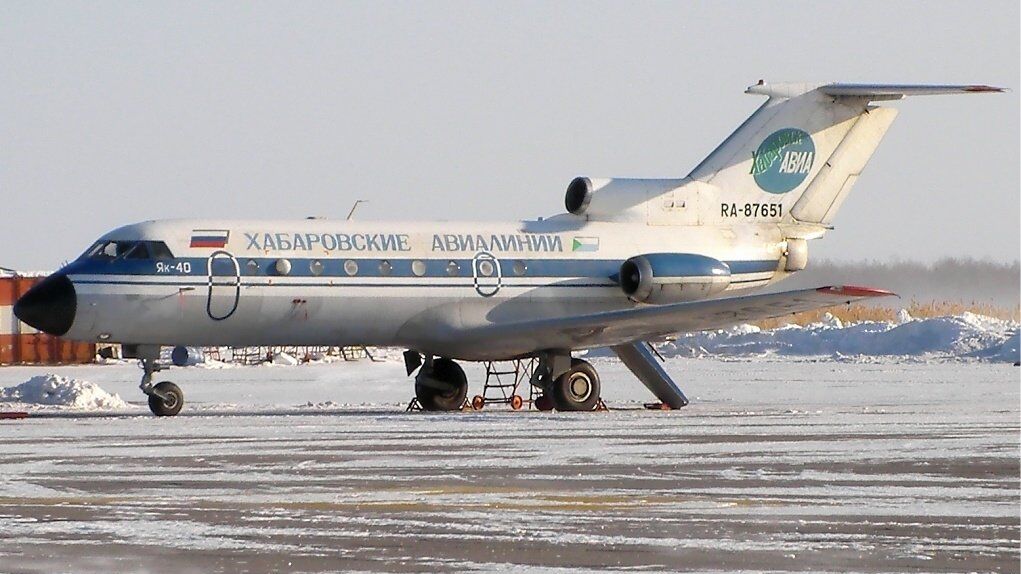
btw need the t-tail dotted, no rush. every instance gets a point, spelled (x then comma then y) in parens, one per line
(803, 150)
(792, 162)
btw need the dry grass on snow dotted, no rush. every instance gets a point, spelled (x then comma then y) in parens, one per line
(917, 309)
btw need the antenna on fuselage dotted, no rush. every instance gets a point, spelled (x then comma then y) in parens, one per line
(358, 202)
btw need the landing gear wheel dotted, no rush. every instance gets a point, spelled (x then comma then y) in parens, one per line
(443, 387)
(171, 401)
(516, 402)
(545, 403)
(578, 388)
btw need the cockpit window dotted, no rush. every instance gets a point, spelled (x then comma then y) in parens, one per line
(159, 250)
(103, 250)
(135, 250)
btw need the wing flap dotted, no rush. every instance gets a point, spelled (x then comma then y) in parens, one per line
(654, 322)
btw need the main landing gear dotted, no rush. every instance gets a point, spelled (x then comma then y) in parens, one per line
(165, 398)
(567, 384)
(441, 385)
(574, 388)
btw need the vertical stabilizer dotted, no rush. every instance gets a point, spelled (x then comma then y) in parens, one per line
(797, 157)
(830, 186)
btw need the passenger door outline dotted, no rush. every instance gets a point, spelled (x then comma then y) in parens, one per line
(224, 294)
(486, 274)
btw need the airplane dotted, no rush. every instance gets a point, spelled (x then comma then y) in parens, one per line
(632, 261)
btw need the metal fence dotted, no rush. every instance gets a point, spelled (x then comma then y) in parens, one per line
(259, 355)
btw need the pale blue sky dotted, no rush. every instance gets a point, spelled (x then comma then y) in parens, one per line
(119, 112)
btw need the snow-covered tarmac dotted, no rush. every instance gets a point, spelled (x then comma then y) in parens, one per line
(776, 465)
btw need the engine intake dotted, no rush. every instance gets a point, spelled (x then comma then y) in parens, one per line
(579, 195)
(660, 278)
(614, 199)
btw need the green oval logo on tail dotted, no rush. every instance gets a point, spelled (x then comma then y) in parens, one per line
(783, 160)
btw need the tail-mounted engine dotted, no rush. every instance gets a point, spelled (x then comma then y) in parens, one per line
(615, 199)
(659, 278)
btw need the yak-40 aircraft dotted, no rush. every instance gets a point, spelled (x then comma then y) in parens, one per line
(632, 261)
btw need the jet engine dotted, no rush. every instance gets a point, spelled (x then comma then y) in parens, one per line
(659, 278)
(614, 199)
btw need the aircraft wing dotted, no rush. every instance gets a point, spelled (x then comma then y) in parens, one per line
(654, 322)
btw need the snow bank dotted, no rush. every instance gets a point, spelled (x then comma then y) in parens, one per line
(286, 359)
(54, 390)
(962, 336)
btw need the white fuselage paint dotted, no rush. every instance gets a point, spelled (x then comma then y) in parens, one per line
(445, 278)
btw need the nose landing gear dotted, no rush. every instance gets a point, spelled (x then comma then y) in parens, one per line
(165, 398)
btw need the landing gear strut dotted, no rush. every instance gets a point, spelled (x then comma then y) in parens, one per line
(441, 385)
(165, 398)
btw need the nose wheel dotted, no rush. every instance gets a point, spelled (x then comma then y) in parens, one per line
(165, 398)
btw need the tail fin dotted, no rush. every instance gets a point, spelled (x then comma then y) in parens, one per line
(805, 147)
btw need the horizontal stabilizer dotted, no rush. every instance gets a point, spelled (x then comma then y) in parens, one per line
(898, 91)
(791, 90)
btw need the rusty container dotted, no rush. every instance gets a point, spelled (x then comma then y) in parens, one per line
(20, 344)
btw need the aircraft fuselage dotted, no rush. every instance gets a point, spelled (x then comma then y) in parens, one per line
(323, 282)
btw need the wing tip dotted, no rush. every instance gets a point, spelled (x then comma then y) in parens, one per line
(983, 88)
(856, 291)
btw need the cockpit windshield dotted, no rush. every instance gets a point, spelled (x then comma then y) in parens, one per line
(136, 250)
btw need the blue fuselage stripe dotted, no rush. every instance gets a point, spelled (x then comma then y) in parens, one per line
(142, 282)
(398, 268)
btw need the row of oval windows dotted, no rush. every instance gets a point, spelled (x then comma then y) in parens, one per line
(485, 267)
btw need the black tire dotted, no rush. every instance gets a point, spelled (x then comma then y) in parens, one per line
(442, 399)
(169, 406)
(578, 388)
(544, 403)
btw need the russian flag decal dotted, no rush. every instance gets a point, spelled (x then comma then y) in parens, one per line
(209, 238)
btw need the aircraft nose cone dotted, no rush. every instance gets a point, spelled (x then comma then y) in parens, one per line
(49, 306)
